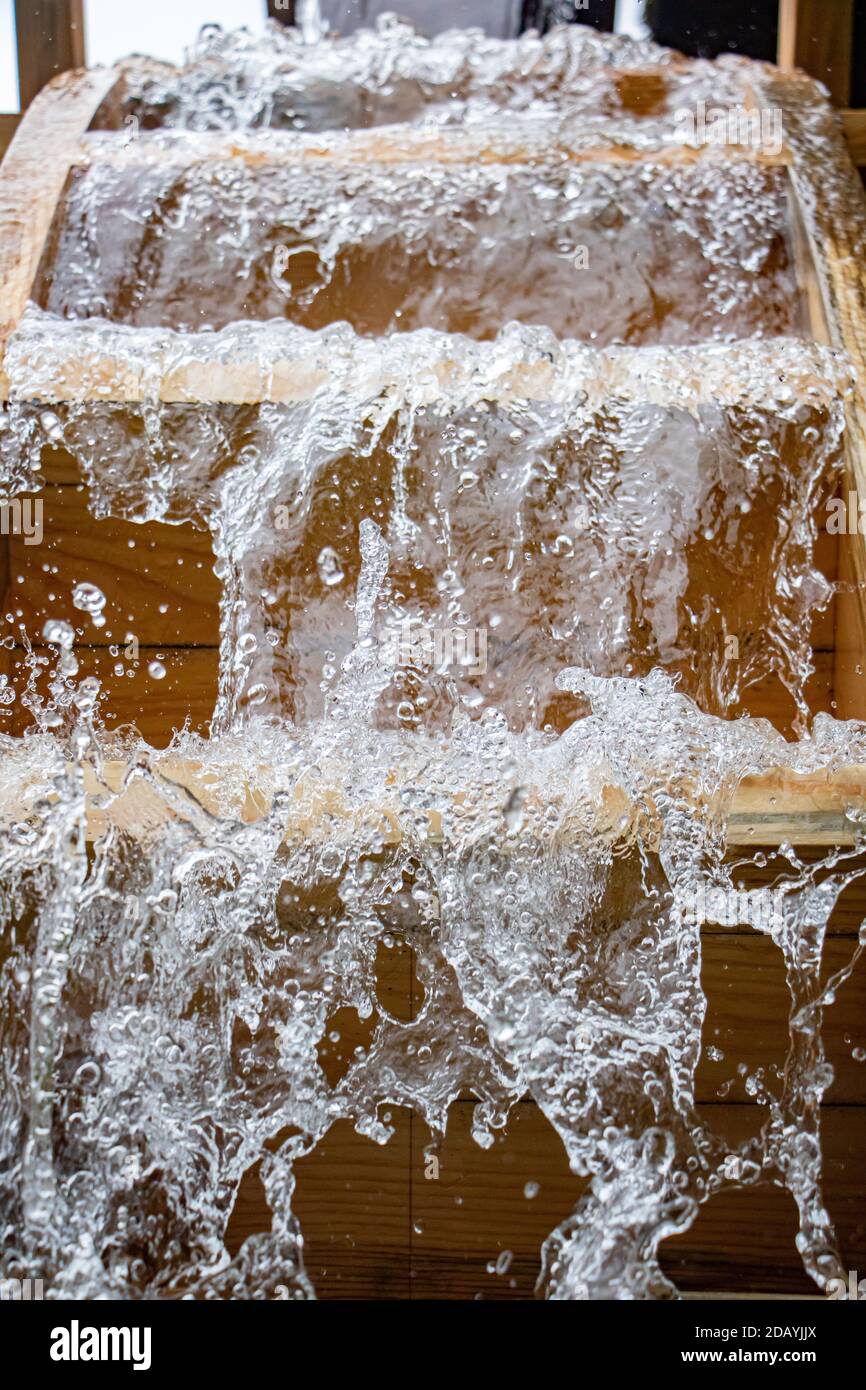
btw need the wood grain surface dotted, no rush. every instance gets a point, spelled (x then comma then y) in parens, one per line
(32, 177)
(818, 38)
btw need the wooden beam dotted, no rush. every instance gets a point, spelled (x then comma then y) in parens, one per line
(524, 141)
(805, 269)
(830, 194)
(50, 39)
(84, 360)
(818, 38)
(807, 810)
(854, 125)
(8, 126)
(34, 172)
(776, 807)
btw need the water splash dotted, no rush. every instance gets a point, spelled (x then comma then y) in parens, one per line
(530, 830)
(617, 254)
(394, 75)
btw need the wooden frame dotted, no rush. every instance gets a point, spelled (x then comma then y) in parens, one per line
(33, 176)
(820, 43)
(53, 139)
(828, 222)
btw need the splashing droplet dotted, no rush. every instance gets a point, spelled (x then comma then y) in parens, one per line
(328, 564)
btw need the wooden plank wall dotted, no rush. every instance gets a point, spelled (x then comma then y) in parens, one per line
(855, 133)
(50, 39)
(375, 1227)
(817, 37)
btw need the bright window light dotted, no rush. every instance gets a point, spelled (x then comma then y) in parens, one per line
(8, 60)
(630, 18)
(160, 28)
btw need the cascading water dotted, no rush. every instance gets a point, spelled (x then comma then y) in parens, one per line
(477, 590)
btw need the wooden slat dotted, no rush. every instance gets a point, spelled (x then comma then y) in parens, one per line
(818, 38)
(50, 40)
(32, 177)
(849, 676)
(9, 122)
(807, 274)
(524, 142)
(79, 360)
(854, 124)
(808, 810)
(775, 808)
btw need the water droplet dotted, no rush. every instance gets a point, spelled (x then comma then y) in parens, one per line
(58, 633)
(329, 567)
(88, 598)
